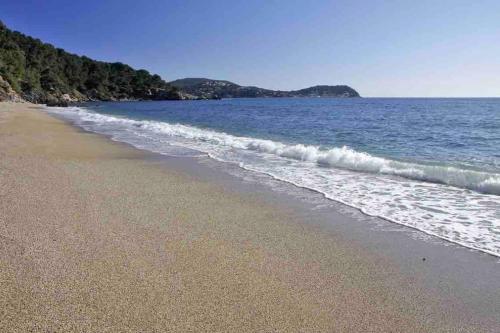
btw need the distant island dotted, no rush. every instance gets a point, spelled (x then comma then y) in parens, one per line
(208, 88)
(38, 72)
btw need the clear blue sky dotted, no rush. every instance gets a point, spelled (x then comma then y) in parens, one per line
(380, 48)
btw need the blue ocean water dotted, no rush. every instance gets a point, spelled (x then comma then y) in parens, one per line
(432, 164)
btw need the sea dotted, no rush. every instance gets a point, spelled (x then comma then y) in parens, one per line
(429, 164)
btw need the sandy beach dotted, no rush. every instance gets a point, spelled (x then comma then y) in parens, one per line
(96, 236)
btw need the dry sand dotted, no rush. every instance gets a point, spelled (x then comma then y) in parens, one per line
(96, 236)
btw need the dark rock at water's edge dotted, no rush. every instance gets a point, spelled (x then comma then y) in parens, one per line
(58, 103)
(208, 88)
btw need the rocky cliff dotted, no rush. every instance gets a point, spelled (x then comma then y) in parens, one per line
(7, 93)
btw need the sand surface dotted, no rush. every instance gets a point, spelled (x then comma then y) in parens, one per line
(99, 237)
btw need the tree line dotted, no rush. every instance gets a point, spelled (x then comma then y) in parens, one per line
(42, 73)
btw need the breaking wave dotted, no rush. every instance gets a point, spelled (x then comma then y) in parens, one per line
(454, 203)
(338, 157)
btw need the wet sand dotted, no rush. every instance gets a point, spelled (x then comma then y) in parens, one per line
(96, 236)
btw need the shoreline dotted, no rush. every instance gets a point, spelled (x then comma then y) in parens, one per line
(415, 220)
(365, 215)
(207, 251)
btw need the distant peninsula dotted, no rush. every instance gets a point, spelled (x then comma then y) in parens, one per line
(208, 88)
(34, 71)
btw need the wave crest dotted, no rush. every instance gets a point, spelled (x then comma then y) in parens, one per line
(337, 157)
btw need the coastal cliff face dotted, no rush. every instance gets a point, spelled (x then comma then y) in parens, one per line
(7, 93)
(208, 88)
(41, 73)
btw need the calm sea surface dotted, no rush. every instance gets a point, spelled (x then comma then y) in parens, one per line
(432, 164)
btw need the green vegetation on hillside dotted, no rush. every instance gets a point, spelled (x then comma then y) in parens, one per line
(40, 73)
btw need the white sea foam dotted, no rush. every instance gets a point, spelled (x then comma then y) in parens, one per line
(459, 205)
(342, 157)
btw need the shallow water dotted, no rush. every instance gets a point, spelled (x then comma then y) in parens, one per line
(432, 164)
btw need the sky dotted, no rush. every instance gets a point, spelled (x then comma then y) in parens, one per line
(440, 48)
